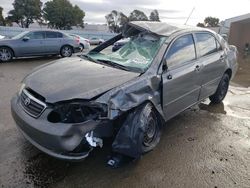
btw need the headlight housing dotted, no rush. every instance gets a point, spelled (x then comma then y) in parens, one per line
(76, 112)
(21, 88)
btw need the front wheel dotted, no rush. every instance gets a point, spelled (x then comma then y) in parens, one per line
(66, 51)
(221, 90)
(140, 132)
(152, 124)
(6, 54)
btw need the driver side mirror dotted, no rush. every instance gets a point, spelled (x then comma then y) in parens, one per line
(25, 38)
(164, 66)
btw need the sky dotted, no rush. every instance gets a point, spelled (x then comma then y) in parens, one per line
(174, 11)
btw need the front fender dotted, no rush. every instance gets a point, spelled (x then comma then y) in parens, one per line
(132, 94)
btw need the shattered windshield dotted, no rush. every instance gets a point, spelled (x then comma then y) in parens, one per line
(136, 55)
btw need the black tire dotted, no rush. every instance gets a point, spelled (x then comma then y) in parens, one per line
(66, 51)
(152, 124)
(221, 91)
(6, 54)
(82, 46)
(139, 133)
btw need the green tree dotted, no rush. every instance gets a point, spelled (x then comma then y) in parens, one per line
(61, 14)
(2, 20)
(211, 21)
(116, 21)
(200, 24)
(154, 16)
(137, 15)
(25, 12)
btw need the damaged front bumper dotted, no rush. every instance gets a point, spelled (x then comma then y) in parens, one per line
(61, 140)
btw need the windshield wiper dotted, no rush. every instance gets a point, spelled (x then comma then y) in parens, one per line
(113, 64)
(89, 58)
(110, 63)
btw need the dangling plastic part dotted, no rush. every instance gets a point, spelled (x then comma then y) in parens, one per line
(93, 141)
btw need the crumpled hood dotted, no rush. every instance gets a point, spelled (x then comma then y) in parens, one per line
(75, 78)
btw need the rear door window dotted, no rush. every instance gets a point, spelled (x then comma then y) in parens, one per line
(51, 34)
(181, 51)
(206, 43)
(59, 35)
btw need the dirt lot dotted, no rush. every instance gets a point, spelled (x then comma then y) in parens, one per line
(206, 146)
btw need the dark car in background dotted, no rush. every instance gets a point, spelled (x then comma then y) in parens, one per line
(38, 43)
(117, 45)
(127, 95)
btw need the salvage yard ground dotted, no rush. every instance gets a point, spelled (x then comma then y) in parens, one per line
(206, 146)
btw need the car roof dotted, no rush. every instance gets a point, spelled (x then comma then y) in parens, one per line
(44, 30)
(164, 29)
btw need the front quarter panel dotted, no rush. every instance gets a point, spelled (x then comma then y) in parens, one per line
(132, 94)
(13, 44)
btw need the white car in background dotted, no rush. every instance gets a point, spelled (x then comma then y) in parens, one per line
(2, 37)
(95, 41)
(84, 43)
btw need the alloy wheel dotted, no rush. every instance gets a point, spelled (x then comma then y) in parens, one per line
(5, 54)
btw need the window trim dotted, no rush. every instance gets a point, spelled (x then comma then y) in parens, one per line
(169, 47)
(197, 48)
(34, 32)
(52, 32)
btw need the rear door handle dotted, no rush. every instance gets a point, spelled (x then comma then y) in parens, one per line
(169, 77)
(197, 68)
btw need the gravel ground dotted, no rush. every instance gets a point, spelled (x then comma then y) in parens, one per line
(205, 146)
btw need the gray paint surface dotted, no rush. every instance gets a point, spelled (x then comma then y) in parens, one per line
(75, 78)
(123, 91)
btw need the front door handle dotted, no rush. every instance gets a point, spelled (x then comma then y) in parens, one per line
(169, 77)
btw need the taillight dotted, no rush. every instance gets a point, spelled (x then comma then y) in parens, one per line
(78, 40)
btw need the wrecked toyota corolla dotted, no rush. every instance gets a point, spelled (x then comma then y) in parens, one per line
(67, 107)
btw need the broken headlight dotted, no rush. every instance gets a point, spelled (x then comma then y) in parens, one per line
(76, 112)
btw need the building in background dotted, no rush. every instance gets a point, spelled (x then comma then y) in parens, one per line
(237, 31)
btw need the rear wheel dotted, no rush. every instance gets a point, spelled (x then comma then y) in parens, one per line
(6, 54)
(221, 90)
(66, 51)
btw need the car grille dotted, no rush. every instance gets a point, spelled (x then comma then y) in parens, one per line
(31, 105)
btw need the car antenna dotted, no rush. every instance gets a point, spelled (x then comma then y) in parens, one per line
(189, 15)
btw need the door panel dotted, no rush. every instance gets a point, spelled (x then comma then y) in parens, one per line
(182, 90)
(211, 74)
(33, 46)
(52, 43)
(212, 58)
(181, 82)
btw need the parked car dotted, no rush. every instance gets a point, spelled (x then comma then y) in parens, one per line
(128, 95)
(119, 44)
(2, 37)
(38, 43)
(95, 41)
(84, 43)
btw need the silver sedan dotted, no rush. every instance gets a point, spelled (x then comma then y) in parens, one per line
(38, 43)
